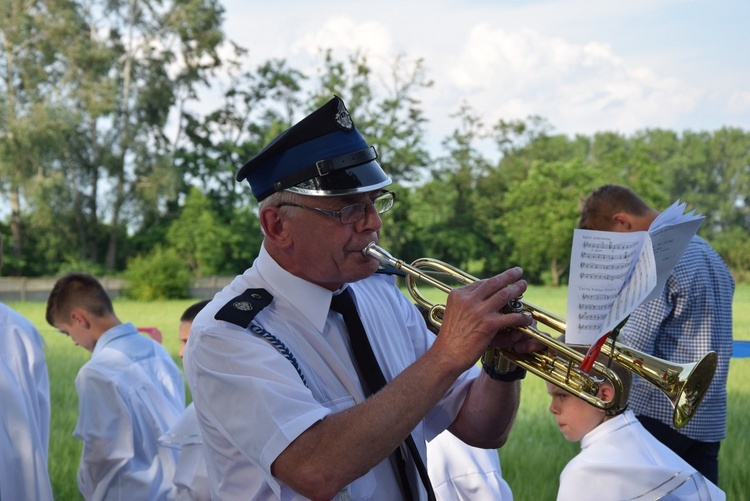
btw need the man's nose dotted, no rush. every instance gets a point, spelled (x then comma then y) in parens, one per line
(371, 219)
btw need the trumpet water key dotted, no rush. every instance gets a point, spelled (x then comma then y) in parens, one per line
(560, 364)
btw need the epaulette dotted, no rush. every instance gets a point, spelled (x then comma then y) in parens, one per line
(390, 270)
(242, 309)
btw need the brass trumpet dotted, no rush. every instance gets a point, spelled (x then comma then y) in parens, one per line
(684, 385)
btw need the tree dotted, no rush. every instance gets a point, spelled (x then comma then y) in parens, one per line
(147, 55)
(713, 174)
(159, 275)
(32, 118)
(449, 206)
(545, 214)
(198, 236)
(217, 144)
(392, 119)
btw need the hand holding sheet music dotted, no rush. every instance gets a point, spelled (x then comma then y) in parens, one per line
(613, 273)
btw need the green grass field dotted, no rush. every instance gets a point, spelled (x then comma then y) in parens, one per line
(532, 459)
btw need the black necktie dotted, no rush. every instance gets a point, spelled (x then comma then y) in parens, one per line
(374, 381)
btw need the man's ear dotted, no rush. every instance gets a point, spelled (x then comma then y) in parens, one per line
(274, 226)
(622, 222)
(80, 317)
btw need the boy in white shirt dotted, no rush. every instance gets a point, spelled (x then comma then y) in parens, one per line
(191, 477)
(129, 393)
(619, 458)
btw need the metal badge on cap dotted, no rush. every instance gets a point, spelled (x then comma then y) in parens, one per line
(343, 118)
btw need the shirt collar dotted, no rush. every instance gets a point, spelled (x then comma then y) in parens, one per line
(609, 426)
(110, 335)
(311, 301)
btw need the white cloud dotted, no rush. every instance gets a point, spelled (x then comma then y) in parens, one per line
(585, 66)
(738, 103)
(342, 32)
(511, 74)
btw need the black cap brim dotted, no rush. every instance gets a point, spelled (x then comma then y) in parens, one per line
(362, 178)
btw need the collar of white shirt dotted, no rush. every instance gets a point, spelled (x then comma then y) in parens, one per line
(311, 301)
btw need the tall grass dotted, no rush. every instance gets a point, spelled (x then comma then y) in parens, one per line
(532, 459)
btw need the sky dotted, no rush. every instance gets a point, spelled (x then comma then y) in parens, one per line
(586, 66)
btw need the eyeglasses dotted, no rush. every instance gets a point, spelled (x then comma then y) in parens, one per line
(355, 212)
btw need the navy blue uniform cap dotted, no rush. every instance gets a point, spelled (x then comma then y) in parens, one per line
(322, 155)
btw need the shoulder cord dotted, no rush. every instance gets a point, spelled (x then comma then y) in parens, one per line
(280, 346)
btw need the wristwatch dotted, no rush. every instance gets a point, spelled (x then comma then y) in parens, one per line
(506, 377)
(496, 365)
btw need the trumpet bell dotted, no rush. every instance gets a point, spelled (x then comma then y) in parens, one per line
(684, 385)
(694, 389)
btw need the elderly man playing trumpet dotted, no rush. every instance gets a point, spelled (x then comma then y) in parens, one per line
(312, 375)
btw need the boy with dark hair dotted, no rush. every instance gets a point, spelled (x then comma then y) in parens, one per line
(692, 316)
(129, 394)
(191, 477)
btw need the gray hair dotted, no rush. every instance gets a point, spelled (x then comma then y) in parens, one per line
(278, 198)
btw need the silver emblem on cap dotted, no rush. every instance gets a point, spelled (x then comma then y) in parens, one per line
(342, 117)
(242, 306)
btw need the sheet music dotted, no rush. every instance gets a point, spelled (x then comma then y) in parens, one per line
(670, 237)
(612, 273)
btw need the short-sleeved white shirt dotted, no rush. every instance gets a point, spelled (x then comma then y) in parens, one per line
(251, 400)
(190, 477)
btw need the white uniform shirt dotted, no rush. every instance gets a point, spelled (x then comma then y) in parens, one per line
(460, 472)
(620, 460)
(129, 394)
(251, 401)
(24, 410)
(190, 478)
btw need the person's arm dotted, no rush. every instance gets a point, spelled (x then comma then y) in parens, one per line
(344, 446)
(105, 428)
(31, 372)
(23, 465)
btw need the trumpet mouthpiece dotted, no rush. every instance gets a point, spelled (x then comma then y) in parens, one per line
(374, 251)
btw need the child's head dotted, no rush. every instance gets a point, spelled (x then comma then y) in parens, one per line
(79, 306)
(186, 321)
(576, 417)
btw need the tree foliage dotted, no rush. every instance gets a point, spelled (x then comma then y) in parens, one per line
(107, 166)
(161, 274)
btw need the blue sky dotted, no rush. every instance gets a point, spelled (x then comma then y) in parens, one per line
(584, 65)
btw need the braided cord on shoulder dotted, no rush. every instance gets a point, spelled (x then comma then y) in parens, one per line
(280, 346)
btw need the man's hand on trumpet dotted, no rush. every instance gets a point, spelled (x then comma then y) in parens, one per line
(473, 319)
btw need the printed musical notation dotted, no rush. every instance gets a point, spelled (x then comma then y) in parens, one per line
(589, 316)
(599, 297)
(601, 266)
(610, 245)
(603, 276)
(611, 274)
(607, 257)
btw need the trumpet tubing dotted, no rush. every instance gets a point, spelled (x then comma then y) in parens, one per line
(683, 384)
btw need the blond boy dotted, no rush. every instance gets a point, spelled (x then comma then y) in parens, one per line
(619, 458)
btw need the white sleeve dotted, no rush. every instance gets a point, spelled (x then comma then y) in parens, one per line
(23, 461)
(106, 432)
